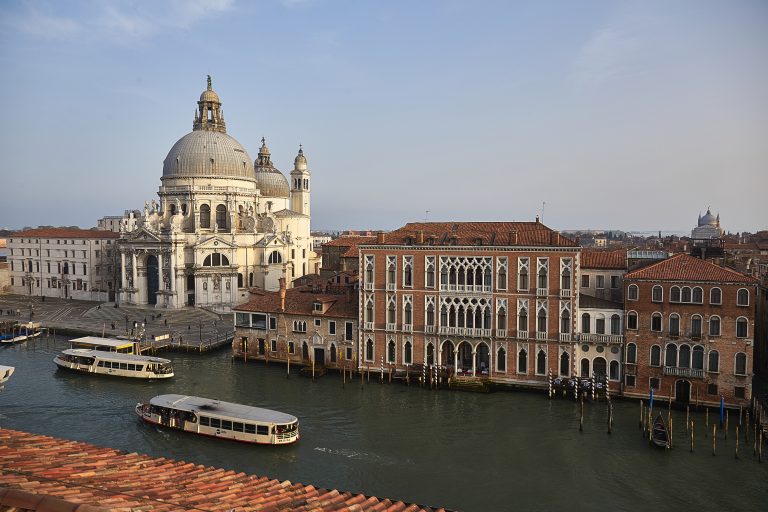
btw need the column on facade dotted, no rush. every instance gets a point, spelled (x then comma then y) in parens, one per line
(456, 358)
(173, 271)
(161, 282)
(122, 269)
(474, 361)
(135, 270)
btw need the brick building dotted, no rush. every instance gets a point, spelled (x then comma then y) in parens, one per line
(602, 273)
(342, 254)
(64, 262)
(489, 300)
(690, 331)
(301, 324)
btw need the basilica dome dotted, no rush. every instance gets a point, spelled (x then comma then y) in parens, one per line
(208, 153)
(708, 219)
(269, 180)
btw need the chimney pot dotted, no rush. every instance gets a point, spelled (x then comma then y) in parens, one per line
(282, 293)
(420, 237)
(380, 237)
(513, 238)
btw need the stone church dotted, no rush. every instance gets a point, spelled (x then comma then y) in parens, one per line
(223, 223)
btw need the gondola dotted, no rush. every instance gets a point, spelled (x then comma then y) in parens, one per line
(659, 434)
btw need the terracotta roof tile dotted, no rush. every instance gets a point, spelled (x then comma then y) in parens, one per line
(534, 234)
(65, 233)
(42, 465)
(682, 267)
(299, 301)
(593, 258)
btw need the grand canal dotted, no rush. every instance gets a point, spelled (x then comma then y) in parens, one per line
(500, 451)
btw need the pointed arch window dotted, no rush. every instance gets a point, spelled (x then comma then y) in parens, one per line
(565, 364)
(369, 350)
(541, 362)
(522, 361)
(391, 351)
(407, 353)
(501, 360)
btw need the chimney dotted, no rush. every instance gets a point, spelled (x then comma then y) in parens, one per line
(554, 238)
(513, 238)
(380, 237)
(420, 237)
(282, 294)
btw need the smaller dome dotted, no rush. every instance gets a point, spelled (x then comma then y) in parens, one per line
(300, 162)
(269, 180)
(210, 95)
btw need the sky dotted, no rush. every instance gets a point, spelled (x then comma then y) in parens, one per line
(632, 115)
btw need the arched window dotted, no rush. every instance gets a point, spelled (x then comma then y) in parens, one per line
(684, 356)
(584, 367)
(522, 361)
(369, 311)
(715, 296)
(565, 283)
(600, 323)
(565, 364)
(173, 209)
(407, 357)
(657, 294)
(656, 322)
(696, 326)
(408, 314)
(714, 326)
(275, 257)
(686, 294)
(714, 361)
(614, 373)
(501, 360)
(541, 325)
(541, 363)
(741, 327)
(522, 278)
(585, 323)
(631, 353)
(742, 297)
(221, 217)
(698, 296)
(542, 282)
(216, 259)
(501, 320)
(430, 354)
(430, 320)
(655, 355)
(615, 324)
(369, 350)
(391, 351)
(239, 280)
(205, 216)
(523, 320)
(565, 322)
(633, 292)
(632, 320)
(391, 313)
(674, 324)
(599, 367)
(674, 294)
(741, 364)
(671, 355)
(697, 362)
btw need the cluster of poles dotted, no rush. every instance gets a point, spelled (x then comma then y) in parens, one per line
(749, 425)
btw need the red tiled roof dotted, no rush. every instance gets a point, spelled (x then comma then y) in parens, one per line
(300, 301)
(533, 234)
(349, 241)
(64, 233)
(594, 258)
(83, 473)
(682, 267)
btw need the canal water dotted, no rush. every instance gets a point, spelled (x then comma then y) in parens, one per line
(466, 451)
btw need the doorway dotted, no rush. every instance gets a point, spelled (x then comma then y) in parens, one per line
(682, 391)
(153, 280)
(319, 356)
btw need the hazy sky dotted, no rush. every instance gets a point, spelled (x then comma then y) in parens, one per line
(627, 115)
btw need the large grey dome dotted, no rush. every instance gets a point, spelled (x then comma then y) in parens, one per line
(208, 153)
(269, 180)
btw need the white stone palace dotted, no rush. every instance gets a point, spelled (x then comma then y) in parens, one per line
(223, 223)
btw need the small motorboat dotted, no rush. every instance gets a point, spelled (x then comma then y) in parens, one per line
(659, 434)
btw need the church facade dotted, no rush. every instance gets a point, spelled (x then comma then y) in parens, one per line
(223, 223)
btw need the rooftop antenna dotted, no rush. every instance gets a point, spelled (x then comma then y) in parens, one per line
(543, 203)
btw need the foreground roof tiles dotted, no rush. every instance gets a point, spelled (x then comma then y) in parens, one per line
(597, 259)
(300, 301)
(81, 473)
(682, 267)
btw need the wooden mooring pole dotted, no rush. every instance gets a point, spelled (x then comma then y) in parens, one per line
(726, 425)
(706, 421)
(640, 423)
(687, 417)
(737, 442)
(581, 416)
(691, 435)
(714, 439)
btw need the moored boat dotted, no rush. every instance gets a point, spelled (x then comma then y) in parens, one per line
(114, 363)
(216, 418)
(5, 374)
(23, 332)
(659, 434)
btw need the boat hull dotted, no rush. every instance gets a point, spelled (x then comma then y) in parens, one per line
(110, 372)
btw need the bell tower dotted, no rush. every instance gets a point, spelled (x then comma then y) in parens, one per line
(300, 184)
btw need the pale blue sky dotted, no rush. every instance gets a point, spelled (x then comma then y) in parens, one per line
(626, 115)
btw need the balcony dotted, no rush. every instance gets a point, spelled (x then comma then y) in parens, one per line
(466, 331)
(541, 336)
(407, 327)
(542, 292)
(465, 288)
(368, 287)
(429, 329)
(368, 326)
(391, 327)
(684, 372)
(391, 287)
(522, 335)
(601, 338)
(565, 294)
(501, 333)
(565, 336)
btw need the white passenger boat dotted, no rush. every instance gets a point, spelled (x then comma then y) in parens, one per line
(114, 363)
(220, 419)
(5, 374)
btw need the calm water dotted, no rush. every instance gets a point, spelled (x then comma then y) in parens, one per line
(501, 451)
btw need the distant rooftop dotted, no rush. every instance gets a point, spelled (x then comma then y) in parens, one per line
(64, 233)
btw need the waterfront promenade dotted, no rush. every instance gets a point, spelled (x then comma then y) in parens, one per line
(190, 325)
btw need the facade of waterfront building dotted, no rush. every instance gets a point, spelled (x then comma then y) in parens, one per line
(602, 273)
(223, 224)
(64, 263)
(690, 331)
(302, 324)
(490, 300)
(601, 339)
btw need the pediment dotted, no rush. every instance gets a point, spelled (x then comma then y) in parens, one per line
(272, 241)
(215, 243)
(143, 235)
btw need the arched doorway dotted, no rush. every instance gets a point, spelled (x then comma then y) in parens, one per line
(465, 356)
(304, 351)
(446, 354)
(483, 359)
(584, 368)
(682, 391)
(153, 280)
(599, 367)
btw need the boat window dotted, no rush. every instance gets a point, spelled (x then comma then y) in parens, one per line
(101, 364)
(139, 368)
(262, 430)
(215, 422)
(132, 367)
(250, 429)
(123, 366)
(204, 421)
(226, 424)
(237, 427)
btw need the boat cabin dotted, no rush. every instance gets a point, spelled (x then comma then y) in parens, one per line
(105, 344)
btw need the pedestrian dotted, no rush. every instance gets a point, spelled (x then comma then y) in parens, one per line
(166, 322)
